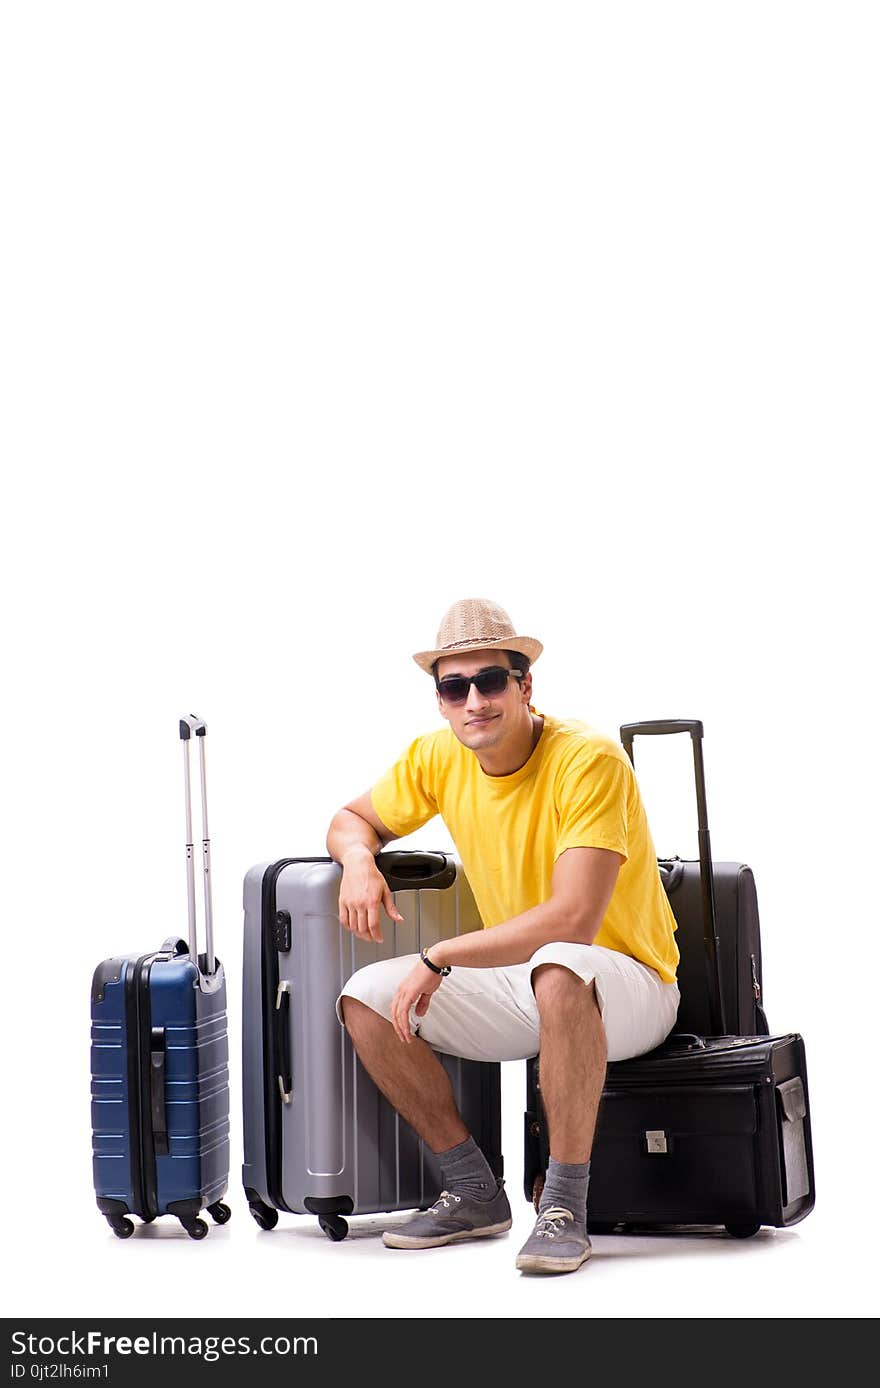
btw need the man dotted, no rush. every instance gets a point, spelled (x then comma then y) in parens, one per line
(576, 958)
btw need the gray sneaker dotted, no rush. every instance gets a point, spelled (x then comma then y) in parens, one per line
(556, 1244)
(452, 1218)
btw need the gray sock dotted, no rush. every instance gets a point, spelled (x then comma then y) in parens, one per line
(465, 1170)
(566, 1185)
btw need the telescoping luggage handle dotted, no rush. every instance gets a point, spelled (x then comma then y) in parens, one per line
(189, 726)
(660, 727)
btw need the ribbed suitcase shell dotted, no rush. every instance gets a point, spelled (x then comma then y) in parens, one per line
(337, 1147)
(131, 996)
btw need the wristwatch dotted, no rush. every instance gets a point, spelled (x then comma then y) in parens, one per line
(444, 970)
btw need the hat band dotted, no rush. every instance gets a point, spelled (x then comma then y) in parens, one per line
(473, 641)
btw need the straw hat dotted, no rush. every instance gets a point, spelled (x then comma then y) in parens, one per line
(476, 624)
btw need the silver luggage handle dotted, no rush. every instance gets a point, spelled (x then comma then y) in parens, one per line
(189, 726)
(282, 1018)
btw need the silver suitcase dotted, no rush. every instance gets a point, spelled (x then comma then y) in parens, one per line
(319, 1138)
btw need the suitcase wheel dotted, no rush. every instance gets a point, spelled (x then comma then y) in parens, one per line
(742, 1231)
(334, 1227)
(122, 1228)
(196, 1228)
(220, 1213)
(265, 1216)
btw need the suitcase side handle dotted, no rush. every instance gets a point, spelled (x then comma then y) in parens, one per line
(684, 1041)
(672, 874)
(661, 727)
(158, 1112)
(282, 1023)
(191, 726)
(174, 945)
(405, 870)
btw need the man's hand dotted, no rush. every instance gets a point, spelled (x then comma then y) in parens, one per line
(362, 894)
(415, 991)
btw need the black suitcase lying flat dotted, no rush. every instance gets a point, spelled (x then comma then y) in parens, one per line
(704, 1130)
(715, 1135)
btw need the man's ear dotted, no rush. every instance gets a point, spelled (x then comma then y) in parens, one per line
(527, 688)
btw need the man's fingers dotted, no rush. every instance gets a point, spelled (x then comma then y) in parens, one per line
(400, 1019)
(364, 920)
(391, 909)
(364, 928)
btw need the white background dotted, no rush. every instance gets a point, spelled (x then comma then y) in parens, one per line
(317, 317)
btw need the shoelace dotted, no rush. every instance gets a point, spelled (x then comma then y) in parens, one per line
(444, 1201)
(552, 1222)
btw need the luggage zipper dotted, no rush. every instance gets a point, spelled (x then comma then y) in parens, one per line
(272, 1062)
(151, 1194)
(140, 1113)
(135, 1085)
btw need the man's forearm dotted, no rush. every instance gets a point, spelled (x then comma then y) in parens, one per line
(515, 941)
(349, 835)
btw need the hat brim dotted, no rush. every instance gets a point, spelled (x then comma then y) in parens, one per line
(525, 645)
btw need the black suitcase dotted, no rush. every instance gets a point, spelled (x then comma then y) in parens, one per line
(713, 1127)
(738, 946)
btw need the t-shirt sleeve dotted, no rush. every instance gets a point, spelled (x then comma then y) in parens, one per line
(403, 797)
(593, 798)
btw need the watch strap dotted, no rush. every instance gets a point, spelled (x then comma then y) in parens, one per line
(442, 969)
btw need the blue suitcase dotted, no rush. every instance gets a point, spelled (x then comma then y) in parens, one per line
(160, 1072)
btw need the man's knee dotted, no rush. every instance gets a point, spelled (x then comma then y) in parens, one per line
(357, 1016)
(558, 988)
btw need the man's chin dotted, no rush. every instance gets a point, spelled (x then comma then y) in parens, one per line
(481, 734)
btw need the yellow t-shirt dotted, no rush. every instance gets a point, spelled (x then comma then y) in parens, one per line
(577, 790)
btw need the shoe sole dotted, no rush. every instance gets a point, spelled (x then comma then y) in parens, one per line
(392, 1240)
(542, 1262)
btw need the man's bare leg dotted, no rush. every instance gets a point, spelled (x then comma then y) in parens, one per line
(573, 1059)
(572, 1073)
(472, 1204)
(410, 1076)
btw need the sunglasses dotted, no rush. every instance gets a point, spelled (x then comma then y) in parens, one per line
(490, 683)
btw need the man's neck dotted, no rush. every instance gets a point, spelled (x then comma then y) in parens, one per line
(504, 761)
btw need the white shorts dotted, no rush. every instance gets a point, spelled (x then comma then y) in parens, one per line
(491, 1014)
